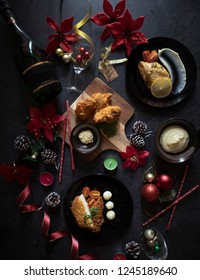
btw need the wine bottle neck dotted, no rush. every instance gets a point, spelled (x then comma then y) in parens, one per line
(7, 12)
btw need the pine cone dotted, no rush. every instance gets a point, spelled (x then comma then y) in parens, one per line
(53, 199)
(137, 140)
(22, 142)
(48, 156)
(132, 250)
(140, 127)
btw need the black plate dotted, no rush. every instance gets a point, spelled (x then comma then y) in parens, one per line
(135, 83)
(123, 207)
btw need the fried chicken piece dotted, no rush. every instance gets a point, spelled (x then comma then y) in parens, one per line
(85, 217)
(108, 114)
(151, 71)
(102, 99)
(85, 108)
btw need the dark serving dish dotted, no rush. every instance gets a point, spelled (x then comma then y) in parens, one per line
(78, 145)
(135, 83)
(123, 207)
(189, 150)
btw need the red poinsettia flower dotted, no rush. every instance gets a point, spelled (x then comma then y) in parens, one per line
(126, 32)
(111, 15)
(43, 121)
(134, 157)
(60, 39)
(15, 173)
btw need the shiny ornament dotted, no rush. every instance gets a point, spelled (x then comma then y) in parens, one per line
(149, 234)
(164, 181)
(149, 177)
(66, 57)
(151, 243)
(59, 52)
(150, 192)
(82, 50)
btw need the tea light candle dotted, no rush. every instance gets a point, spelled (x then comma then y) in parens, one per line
(46, 179)
(110, 163)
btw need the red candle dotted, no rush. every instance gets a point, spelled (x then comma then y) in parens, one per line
(46, 179)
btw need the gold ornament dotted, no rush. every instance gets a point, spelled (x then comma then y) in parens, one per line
(149, 234)
(66, 57)
(150, 177)
(59, 52)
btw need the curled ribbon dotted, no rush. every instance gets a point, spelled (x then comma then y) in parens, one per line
(26, 208)
(79, 24)
(105, 62)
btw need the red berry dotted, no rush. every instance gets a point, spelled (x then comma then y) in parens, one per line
(87, 55)
(78, 58)
(82, 50)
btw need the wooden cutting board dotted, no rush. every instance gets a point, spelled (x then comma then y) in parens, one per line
(117, 142)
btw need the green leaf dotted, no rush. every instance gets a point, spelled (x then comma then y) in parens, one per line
(109, 129)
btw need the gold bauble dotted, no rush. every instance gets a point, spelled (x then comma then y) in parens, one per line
(149, 177)
(59, 52)
(149, 234)
(66, 57)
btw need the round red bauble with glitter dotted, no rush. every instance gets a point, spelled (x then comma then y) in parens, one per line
(150, 192)
(164, 182)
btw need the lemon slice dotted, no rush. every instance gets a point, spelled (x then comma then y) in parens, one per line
(161, 87)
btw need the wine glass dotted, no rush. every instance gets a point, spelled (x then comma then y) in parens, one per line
(153, 244)
(81, 56)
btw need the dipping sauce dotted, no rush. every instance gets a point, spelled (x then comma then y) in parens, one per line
(174, 139)
(86, 136)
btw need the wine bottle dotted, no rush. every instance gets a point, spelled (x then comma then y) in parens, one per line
(32, 62)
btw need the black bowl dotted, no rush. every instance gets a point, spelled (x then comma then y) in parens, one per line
(188, 151)
(78, 145)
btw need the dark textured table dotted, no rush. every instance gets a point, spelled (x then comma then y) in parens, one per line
(20, 234)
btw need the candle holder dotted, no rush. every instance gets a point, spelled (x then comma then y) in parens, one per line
(46, 179)
(110, 164)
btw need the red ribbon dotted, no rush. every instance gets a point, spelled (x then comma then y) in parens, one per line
(25, 208)
(22, 197)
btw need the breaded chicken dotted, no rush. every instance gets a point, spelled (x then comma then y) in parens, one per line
(102, 99)
(151, 71)
(108, 114)
(88, 218)
(85, 108)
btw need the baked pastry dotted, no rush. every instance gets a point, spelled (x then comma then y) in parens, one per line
(85, 108)
(102, 100)
(88, 218)
(108, 114)
(150, 71)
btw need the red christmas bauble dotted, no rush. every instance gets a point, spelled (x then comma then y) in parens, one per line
(150, 192)
(164, 181)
